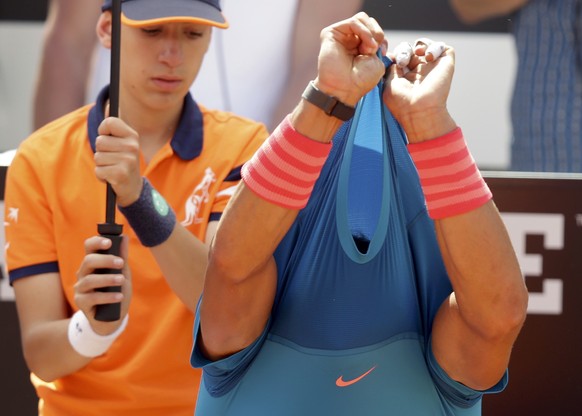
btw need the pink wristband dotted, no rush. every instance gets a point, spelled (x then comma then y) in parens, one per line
(450, 179)
(285, 168)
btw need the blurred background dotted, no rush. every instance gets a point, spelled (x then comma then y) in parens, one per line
(484, 74)
(543, 213)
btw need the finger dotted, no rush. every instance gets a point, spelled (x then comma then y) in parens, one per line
(420, 45)
(88, 300)
(105, 126)
(90, 282)
(87, 294)
(403, 54)
(95, 261)
(114, 126)
(377, 34)
(434, 51)
(113, 144)
(96, 243)
(368, 32)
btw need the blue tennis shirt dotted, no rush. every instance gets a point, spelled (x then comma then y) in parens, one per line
(360, 279)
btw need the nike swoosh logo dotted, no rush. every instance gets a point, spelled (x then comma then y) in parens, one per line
(340, 382)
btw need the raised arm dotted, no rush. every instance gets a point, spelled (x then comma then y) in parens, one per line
(69, 41)
(241, 278)
(475, 11)
(475, 328)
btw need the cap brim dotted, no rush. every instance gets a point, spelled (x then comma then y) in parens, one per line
(155, 12)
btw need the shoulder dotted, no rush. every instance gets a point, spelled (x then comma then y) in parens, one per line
(55, 137)
(69, 123)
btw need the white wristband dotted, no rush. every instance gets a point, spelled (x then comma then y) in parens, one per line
(86, 341)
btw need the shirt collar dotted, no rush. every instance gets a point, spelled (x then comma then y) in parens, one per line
(188, 138)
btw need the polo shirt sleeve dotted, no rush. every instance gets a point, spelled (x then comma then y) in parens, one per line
(31, 248)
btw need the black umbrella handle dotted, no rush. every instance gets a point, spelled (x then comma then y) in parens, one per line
(109, 312)
(112, 311)
(115, 58)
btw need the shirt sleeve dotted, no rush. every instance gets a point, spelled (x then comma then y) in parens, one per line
(457, 393)
(221, 376)
(31, 248)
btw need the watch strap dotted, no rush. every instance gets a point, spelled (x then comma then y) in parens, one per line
(330, 105)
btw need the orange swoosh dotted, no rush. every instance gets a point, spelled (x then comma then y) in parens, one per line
(341, 383)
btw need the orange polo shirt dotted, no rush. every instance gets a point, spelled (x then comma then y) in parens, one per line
(54, 202)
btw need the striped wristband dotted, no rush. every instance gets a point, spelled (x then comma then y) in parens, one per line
(450, 179)
(285, 168)
(150, 217)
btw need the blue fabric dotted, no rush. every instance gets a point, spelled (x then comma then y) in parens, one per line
(51, 267)
(361, 197)
(188, 138)
(546, 107)
(342, 313)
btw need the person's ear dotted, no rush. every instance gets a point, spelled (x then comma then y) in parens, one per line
(103, 29)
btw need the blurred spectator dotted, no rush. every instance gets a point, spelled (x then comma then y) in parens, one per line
(66, 56)
(265, 92)
(546, 108)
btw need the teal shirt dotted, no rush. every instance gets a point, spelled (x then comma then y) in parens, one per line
(360, 279)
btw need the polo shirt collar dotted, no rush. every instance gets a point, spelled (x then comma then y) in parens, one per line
(188, 138)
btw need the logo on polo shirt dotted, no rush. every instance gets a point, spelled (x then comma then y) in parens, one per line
(198, 197)
(12, 216)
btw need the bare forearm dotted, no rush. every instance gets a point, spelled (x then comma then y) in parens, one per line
(241, 277)
(244, 241)
(44, 322)
(475, 11)
(66, 56)
(60, 87)
(476, 327)
(48, 352)
(483, 269)
(183, 259)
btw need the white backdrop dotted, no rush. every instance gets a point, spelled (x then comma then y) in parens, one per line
(479, 100)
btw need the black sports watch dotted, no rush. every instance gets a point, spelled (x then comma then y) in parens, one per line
(330, 105)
